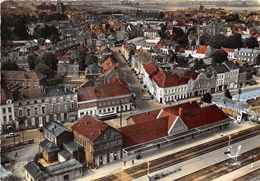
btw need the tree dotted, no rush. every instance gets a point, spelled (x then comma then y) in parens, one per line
(232, 18)
(217, 41)
(199, 64)
(43, 69)
(50, 60)
(258, 59)
(9, 65)
(227, 94)
(204, 39)
(32, 61)
(177, 33)
(251, 42)
(233, 41)
(219, 57)
(207, 98)
(21, 31)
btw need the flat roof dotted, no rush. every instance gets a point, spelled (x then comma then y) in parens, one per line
(247, 95)
(63, 167)
(233, 104)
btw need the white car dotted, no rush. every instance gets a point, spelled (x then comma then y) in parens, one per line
(10, 135)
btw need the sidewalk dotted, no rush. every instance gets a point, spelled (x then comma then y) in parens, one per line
(119, 166)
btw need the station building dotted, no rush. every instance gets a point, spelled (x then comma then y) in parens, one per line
(164, 127)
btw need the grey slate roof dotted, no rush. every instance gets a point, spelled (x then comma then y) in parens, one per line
(34, 169)
(230, 65)
(71, 146)
(49, 146)
(56, 128)
(65, 154)
(220, 68)
(63, 167)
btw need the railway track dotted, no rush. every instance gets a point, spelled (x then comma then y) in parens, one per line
(222, 168)
(178, 157)
(249, 176)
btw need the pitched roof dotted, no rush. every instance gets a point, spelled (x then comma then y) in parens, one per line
(111, 89)
(89, 127)
(202, 49)
(202, 116)
(158, 122)
(35, 169)
(138, 133)
(5, 95)
(150, 68)
(163, 79)
(108, 64)
(228, 49)
(21, 75)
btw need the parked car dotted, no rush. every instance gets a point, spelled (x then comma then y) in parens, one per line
(147, 97)
(10, 135)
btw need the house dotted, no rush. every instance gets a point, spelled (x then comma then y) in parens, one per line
(151, 33)
(112, 97)
(43, 105)
(214, 28)
(34, 171)
(66, 68)
(168, 87)
(227, 75)
(231, 53)
(68, 170)
(16, 79)
(102, 143)
(170, 125)
(7, 116)
(55, 136)
(247, 55)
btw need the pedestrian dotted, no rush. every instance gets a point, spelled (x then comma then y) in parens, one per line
(15, 154)
(133, 162)
(124, 163)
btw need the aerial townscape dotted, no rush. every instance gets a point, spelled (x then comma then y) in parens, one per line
(122, 90)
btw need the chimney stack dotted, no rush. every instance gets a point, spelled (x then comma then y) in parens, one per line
(180, 111)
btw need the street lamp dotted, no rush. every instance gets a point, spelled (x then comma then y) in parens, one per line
(148, 170)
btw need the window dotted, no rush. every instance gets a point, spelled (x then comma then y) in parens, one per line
(4, 110)
(35, 110)
(28, 112)
(43, 110)
(10, 117)
(20, 112)
(9, 109)
(4, 117)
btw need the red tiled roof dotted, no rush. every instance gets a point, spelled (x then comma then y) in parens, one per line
(228, 49)
(144, 131)
(202, 116)
(138, 118)
(108, 65)
(89, 127)
(105, 91)
(5, 95)
(21, 75)
(150, 68)
(163, 79)
(202, 49)
(158, 122)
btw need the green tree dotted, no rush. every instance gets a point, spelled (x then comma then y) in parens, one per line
(233, 41)
(43, 69)
(219, 57)
(90, 59)
(251, 42)
(207, 98)
(204, 39)
(217, 41)
(50, 60)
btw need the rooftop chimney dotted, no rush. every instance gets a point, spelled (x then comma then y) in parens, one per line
(180, 111)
